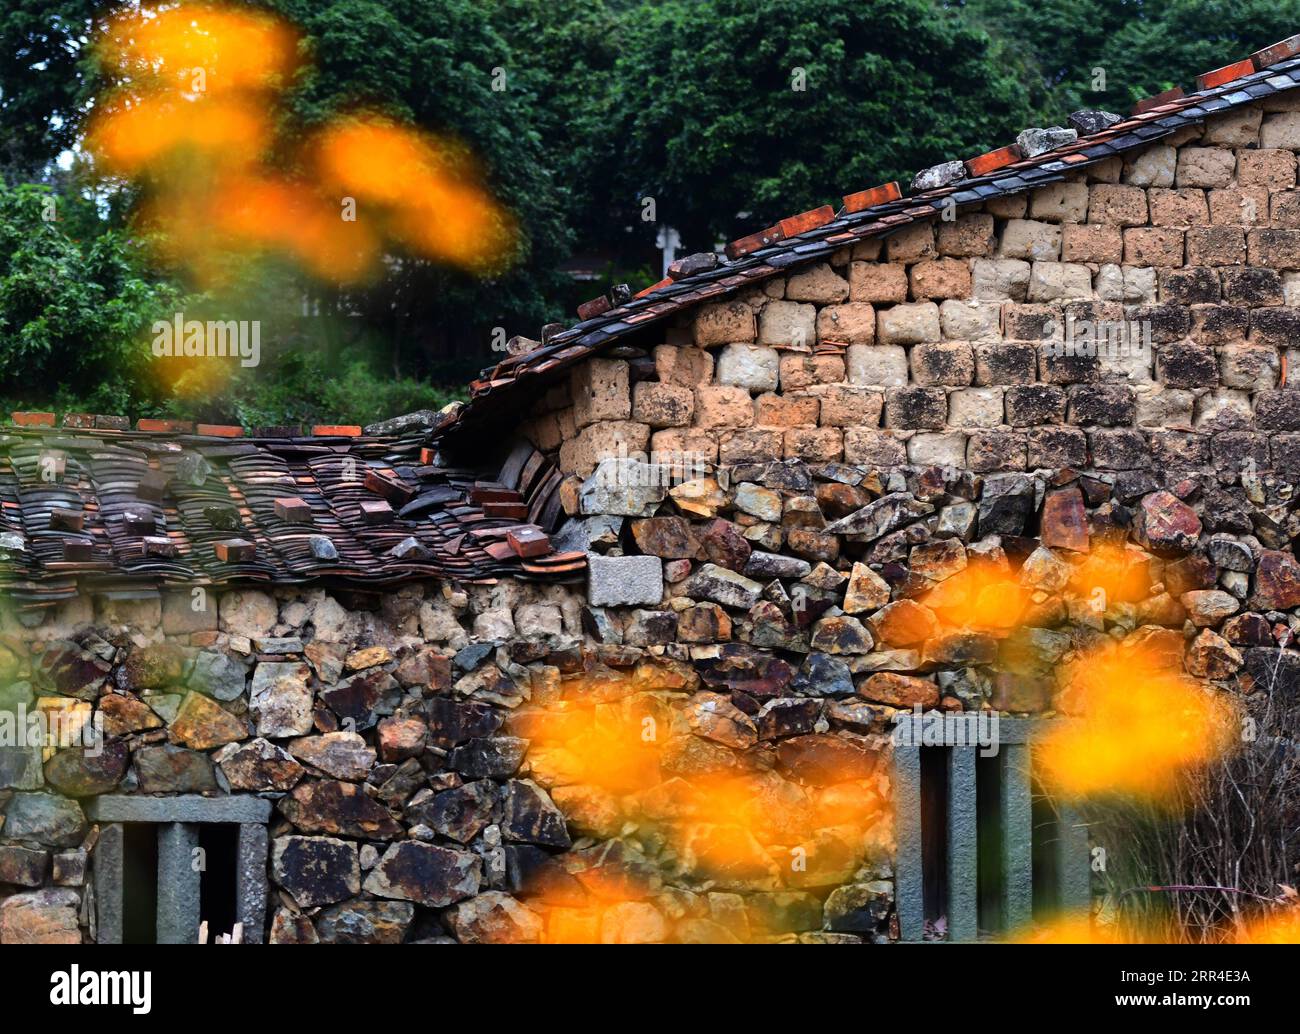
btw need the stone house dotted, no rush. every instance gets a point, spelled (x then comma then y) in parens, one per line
(621, 649)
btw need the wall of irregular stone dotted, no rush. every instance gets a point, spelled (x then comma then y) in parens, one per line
(692, 747)
(942, 344)
(694, 744)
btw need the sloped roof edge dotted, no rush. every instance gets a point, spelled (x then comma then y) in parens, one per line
(814, 235)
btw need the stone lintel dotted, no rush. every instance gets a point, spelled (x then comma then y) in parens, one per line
(180, 808)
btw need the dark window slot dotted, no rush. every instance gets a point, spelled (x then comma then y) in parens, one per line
(218, 903)
(139, 883)
(1046, 855)
(991, 877)
(934, 831)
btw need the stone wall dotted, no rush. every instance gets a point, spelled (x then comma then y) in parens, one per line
(909, 498)
(947, 343)
(693, 746)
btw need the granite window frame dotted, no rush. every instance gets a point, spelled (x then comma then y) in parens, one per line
(1063, 839)
(178, 884)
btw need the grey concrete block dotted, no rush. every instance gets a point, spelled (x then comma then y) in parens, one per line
(963, 857)
(108, 885)
(1074, 892)
(252, 881)
(909, 892)
(178, 884)
(624, 581)
(179, 808)
(1016, 852)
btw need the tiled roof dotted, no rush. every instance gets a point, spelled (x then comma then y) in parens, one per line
(816, 234)
(96, 507)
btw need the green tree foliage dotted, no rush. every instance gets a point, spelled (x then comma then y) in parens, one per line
(74, 311)
(43, 88)
(607, 103)
(1143, 48)
(708, 119)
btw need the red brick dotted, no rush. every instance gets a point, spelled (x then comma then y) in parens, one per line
(336, 430)
(78, 550)
(1160, 98)
(164, 426)
(293, 510)
(220, 430)
(234, 551)
(1225, 74)
(654, 287)
(745, 245)
(66, 520)
(528, 542)
(81, 421)
(33, 419)
(1277, 52)
(865, 199)
(805, 221)
(590, 310)
(396, 492)
(993, 160)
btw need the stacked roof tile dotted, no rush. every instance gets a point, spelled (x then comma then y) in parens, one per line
(814, 235)
(122, 513)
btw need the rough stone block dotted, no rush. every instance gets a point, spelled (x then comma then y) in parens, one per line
(911, 244)
(916, 408)
(1183, 207)
(722, 323)
(877, 282)
(872, 448)
(1050, 281)
(1060, 203)
(968, 320)
(975, 407)
(908, 324)
(1153, 246)
(945, 449)
(851, 324)
(967, 236)
(627, 581)
(662, 405)
(845, 406)
(881, 366)
(1000, 279)
(940, 278)
(1272, 168)
(819, 284)
(1216, 246)
(683, 366)
(1114, 205)
(1031, 240)
(723, 406)
(753, 367)
(943, 363)
(799, 371)
(788, 324)
(1012, 362)
(1152, 167)
(1205, 167)
(1092, 242)
(600, 391)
